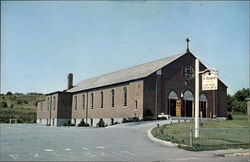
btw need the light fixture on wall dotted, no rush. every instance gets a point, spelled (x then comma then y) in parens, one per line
(181, 94)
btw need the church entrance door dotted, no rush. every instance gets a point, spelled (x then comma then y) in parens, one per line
(172, 97)
(172, 107)
(189, 105)
(203, 105)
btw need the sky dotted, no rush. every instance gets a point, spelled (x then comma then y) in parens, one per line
(41, 42)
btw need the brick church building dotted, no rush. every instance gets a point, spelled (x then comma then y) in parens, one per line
(149, 89)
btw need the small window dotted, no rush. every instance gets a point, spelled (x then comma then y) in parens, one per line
(75, 102)
(92, 100)
(136, 104)
(101, 98)
(54, 102)
(83, 102)
(112, 98)
(125, 96)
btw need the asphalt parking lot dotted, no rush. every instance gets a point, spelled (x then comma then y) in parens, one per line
(124, 142)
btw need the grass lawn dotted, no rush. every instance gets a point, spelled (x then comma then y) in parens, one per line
(213, 134)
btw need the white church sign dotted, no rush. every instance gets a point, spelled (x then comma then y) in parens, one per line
(209, 81)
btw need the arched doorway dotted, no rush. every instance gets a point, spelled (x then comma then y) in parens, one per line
(188, 103)
(172, 97)
(203, 105)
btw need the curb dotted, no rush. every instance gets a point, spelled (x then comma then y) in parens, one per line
(165, 143)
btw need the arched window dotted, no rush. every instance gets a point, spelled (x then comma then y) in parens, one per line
(92, 100)
(75, 102)
(188, 95)
(172, 95)
(112, 98)
(83, 102)
(54, 102)
(101, 95)
(203, 98)
(125, 97)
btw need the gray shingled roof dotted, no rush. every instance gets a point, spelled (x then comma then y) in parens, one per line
(132, 73)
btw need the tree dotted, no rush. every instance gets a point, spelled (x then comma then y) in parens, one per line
(8, 93)
(237, 102)
(241, 95)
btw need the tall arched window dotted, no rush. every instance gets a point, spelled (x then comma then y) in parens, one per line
(112, 98)
(48, 103)
(92, 100)
(41, 106)
(136, 104)
(83, 102)
(54, 102)
(75, 102)
(101, 95)
(125, 97)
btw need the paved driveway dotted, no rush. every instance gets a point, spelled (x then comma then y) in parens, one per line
(124, 142)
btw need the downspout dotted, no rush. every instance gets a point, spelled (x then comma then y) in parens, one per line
(50, 110)
(87, 107)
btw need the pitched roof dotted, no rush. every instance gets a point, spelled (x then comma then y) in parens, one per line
(132, 73)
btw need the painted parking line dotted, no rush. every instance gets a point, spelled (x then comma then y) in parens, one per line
(127, 152)
(187, 159)
(100, 147)
(13, 156)
(85, 148)
(68, 149)
(49, 150)
(104, 154)
(56, 154)
(36, 155)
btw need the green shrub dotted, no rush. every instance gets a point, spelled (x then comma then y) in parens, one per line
(83, 124)
(115, 123)
(101, 123)
(19, 101)
(3, 104)
(69, 123)
(149, 118)
(11, 105)
(134, 119)
(230, 117)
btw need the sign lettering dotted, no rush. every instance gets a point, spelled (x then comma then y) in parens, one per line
(209, 81)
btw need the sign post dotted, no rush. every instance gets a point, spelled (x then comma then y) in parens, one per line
(209, 82)
(197, 85)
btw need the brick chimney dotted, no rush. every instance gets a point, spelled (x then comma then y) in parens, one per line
(70, 80)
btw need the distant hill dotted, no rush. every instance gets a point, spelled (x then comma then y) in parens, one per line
(19, 106)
